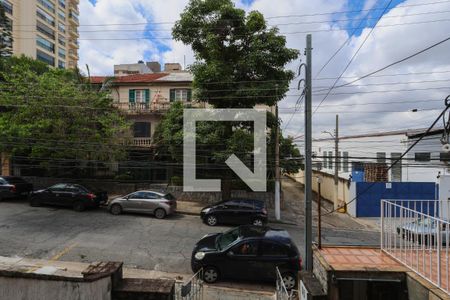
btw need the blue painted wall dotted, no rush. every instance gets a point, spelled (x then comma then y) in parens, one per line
(370, 194)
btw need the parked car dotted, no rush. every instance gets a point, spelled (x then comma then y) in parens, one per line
(152, 202)
(236, 211)
(14, 187)
(71, 195)
(424, 229)
(247, 252)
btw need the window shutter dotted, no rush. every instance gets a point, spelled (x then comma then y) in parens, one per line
(189, 95)
(132, 96)
(172, 95)
(147, 96)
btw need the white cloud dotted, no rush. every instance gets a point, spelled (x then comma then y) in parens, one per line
(385, 45)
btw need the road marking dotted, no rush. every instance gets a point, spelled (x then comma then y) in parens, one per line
(63, 252)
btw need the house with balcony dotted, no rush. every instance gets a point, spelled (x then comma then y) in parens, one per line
(145, 98)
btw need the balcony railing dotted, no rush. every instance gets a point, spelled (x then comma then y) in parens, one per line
(7, 6)
(140, 107)
(417, 234)
(142, 142)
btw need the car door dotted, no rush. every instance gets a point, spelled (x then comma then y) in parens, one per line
(149, 202)
(230, 212)
(273, 255)
(242, 261)
(3, 188)
(245, 212)
(53, 194)
(134, 201)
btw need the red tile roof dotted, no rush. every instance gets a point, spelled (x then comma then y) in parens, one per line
(140, 78)
(97, 79)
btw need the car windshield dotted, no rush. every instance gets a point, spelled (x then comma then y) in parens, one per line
(227, 238)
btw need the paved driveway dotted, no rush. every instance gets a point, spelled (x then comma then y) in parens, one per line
(138, 240)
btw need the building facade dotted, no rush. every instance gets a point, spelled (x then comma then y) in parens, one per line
(46, 30)
(423, 163)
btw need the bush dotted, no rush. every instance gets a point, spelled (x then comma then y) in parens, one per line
(176, 181)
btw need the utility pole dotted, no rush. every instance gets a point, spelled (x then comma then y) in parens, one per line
(308, 157)
(336, 163)
(277, 162)
(319, 213)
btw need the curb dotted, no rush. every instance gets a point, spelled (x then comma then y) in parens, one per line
(189, 213)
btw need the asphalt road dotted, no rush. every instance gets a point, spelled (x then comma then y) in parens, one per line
(139, 241)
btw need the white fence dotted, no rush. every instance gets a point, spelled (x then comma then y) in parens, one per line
(414, 233)
(282, 293)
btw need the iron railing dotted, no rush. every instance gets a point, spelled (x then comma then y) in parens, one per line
(282, 293)
(192, 289)
(417, 234)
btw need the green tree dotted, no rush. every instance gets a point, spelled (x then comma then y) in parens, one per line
(6, 38)
(49, 117)
(240, 61)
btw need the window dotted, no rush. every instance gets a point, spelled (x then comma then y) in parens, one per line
(249, 248)
(7, 6)
(44, 29)
(381, 157)
(444, 156)
(330, 159)
(58, 187)
(61, 15)
(180, 95)
(48, 5)
(61, 52)
(137, 195)
(345, 163)
(149, 195)
(45, 16)
(142, 129)
(422, 156)
(139, 96)
(62, 3)
(232, 205)
(272, 249)
(2, 181)
(61, 40)
(73, 15)
(45, 44)
(396, 171)
(45, 58)
(246, 205)
(61, 64)
(61, 27)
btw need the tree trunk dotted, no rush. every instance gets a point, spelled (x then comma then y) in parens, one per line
(5, 164)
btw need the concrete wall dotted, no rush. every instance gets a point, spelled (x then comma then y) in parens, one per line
(25, 288)
(327, 186)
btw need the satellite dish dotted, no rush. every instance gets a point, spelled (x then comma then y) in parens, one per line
(446, 148)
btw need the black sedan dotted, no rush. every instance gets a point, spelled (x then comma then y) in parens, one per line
(236, 211)
(14, 187)
(247, 253)
(70, 195)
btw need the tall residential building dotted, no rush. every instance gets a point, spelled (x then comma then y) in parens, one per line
(46, 30)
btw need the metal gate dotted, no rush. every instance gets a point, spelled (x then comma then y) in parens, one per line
(192, 289)
(281, 291)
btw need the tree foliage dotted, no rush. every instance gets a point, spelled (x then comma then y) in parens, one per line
(6, 38)
(240, 61)
(47, 115)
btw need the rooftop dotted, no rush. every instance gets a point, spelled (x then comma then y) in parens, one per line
(147, 78)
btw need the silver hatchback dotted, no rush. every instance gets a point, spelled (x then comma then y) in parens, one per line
(156, 203)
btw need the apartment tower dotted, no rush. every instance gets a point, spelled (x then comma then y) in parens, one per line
(46, 30)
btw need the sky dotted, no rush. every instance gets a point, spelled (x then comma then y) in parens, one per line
(125, 31)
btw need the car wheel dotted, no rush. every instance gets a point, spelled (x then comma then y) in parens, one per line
(116, 209)
(289, 281)
(160, 213)
(78, 206)
(34, 202)
(258, 222)
(210, 274)
(211, 220)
